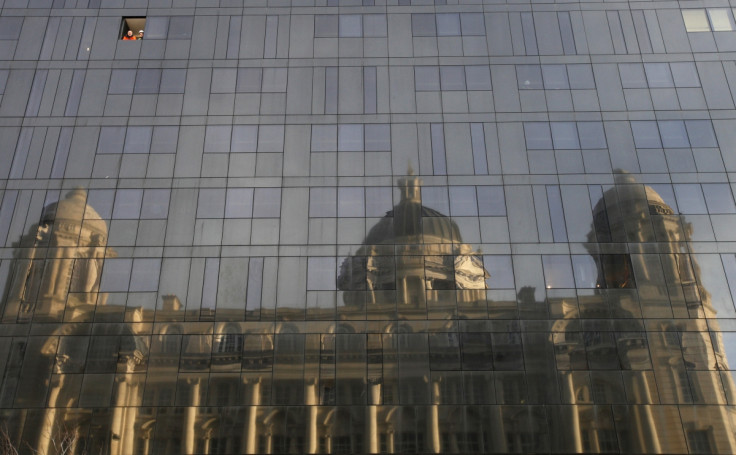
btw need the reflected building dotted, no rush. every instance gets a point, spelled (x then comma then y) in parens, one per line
(414, 263)
(619, 369)
(208, 243)
(58, 265)
(674, 356)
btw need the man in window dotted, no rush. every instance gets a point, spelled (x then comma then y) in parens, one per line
(129, 36)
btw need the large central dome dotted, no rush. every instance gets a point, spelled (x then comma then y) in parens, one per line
(409, 222)
(413, 249)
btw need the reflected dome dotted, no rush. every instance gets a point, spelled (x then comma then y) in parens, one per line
(414, 255)
(59, 276)
(409, 220)
(625, 214)
(72, 211)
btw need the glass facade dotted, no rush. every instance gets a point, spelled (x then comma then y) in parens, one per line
(377, 226)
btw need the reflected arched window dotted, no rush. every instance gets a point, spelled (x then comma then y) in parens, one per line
(171, 339)
(229, 342)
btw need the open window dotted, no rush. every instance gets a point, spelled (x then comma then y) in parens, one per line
(132, 28)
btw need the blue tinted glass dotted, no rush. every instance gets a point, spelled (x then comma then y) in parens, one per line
(646, 134)
(538, 136)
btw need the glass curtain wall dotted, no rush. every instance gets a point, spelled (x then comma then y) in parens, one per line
(377, 226)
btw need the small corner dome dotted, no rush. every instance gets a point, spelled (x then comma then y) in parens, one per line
(74, 209)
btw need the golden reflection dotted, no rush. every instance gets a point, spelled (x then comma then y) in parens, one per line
(672, 358)
(418, 253)
(58, 264)
(633, 363)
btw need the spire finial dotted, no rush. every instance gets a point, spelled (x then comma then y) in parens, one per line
(410, 186)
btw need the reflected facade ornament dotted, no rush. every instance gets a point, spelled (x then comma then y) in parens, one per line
(653, 356)
(58, 264)
(466, 386)
(417, 252)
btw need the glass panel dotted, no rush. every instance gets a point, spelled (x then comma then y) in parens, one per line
(350, 202)
(700, 133)
(239, 203)
(500, 270)
(565, 135)
(267, 203)
(351, 25)
(448, 24)
(659, 75)
(374, 25)
(164, 139)
(452, 77)
(690, 198)
(377, 138)
(555, 77)
(557, 271)
(529, 76)
(685, 74)
(217, 139)
(695, 20)
(478, 77)
(155, 204)
(180, 27)
(211, 203)
(10, 27)
(322, 202)
(719, 198)
(427, 78)
(173, 80)
(721, 19)
(147, 81)
(632, 75)
(472, 24)
(138, 139)
(585, 270)
(580, 76)
(274, 79)
(350, 138)
(325, 26)
(646, 134)
(538, 136)
(324, 138)
(321, 273)
(591, 135)
(157, 27)
(111, 139)
(462, 201)
(249, 80)
(127, 204)
(491, 201)
(122, 82)
(423, 25)
(244, 139)
(673, 134)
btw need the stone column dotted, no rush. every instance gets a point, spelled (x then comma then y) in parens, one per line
(497, 431)
(251, 422)
(131, 414)
(312, 411)
(49, 419)
(390, 440)
(574, 415)
(116, 444)
(191, 417)
(374, 390)
(433, 420)
(649, 429)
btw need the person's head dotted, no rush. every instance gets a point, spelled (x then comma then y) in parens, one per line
(140, 33)
(130, 33)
